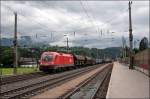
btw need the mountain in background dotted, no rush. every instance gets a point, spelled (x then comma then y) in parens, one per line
(26, 41)
(113, 51)
(6, 41)
(23, 41)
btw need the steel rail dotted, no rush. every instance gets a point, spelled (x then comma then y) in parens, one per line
(106, 75)
(102, 90)
(21, 77)
(78, 88)
(25, 90)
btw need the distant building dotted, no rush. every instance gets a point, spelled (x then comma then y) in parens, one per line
(27, 62)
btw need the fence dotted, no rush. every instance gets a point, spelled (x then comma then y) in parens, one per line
(142, 61)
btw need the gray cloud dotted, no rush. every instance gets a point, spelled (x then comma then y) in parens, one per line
(65, 17)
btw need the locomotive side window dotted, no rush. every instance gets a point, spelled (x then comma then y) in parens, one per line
(47, 58)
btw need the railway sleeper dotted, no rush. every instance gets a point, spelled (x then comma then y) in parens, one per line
(26, 85)
(91, 90)
(25, 91)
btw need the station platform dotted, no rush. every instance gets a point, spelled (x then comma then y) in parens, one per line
(126, 83)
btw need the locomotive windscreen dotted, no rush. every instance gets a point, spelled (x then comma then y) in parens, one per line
(47, 57)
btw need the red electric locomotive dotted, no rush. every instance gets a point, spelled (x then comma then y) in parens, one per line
(55, 60)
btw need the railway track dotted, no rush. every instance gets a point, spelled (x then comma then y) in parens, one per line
(102, 91)
(30, 87)
(16, 78)
(93, 88)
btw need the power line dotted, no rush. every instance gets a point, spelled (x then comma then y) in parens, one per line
(61, 31)
(66, 15)
(108, 21)
(26, 17)
(93, 17)
(70, 17)
(45, 29)
(114, 17)
(85, 11)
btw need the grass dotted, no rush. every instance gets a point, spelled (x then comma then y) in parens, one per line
(20, 70)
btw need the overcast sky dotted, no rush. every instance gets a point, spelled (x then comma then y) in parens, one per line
(91, 24)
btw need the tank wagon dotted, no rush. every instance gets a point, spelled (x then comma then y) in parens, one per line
(58, 60)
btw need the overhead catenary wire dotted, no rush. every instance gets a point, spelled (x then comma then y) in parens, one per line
(99, 31)
(70, 16)
(93, 17)
(43, 28)
(27, 18)
(46, 29)
(108, 21)
(87, 15)
(85, 11)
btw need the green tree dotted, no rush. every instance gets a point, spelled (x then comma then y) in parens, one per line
(7, 57)
(143, 44)
(136, 50)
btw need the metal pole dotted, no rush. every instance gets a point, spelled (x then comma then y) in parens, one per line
(130, 37)
(67, 45)
(122, 48)
(0, 61)
(15, 45)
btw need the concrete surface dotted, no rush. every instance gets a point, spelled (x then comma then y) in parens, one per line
(145, 71)
(126, 83)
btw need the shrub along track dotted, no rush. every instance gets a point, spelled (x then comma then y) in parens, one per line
(29, 87)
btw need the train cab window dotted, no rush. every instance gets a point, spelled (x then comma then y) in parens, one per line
(47, 58)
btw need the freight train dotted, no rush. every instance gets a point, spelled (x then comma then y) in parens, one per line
(58, 60)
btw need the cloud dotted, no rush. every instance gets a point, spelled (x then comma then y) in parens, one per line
(85, 18)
